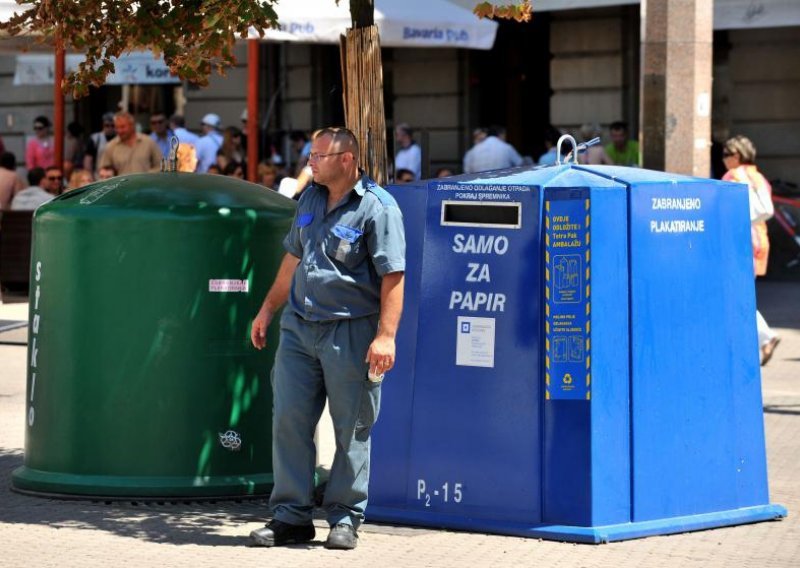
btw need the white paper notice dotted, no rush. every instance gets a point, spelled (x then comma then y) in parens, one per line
(475, 344)
(228, 285)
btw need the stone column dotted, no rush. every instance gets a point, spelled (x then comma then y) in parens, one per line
(675, 108)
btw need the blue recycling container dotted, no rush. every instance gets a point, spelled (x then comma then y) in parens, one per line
(577, 359)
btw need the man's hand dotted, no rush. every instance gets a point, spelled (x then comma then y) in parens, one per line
(380, 355)
(258, 332)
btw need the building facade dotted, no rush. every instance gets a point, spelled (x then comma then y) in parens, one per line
(578, 62)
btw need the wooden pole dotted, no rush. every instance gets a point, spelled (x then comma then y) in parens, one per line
(362, 71)
(253, 47)
(58, 99)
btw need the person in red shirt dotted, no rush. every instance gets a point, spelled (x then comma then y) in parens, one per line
(39, 153)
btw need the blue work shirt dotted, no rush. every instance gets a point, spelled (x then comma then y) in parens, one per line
(345, 252)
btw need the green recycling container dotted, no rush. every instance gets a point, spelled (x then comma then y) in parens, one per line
(142, 381)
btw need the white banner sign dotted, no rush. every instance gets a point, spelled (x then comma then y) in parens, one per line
(137, 68)
(406, 23)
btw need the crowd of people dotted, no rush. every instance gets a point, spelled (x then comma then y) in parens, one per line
(122, 147)
(491, 151)
(44, 179)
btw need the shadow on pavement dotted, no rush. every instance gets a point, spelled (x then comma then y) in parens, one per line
(198, 523)
(179, 523)
(779, 302)
(789, 409)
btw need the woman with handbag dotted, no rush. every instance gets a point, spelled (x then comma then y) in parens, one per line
(739, 156)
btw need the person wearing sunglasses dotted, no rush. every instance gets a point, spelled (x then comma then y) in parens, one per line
(739, 155)
(342, 276)
(39, 152)
(161, 133)
(55, 180)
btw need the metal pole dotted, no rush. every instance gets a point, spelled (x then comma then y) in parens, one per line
(253, 47)
(58, 99)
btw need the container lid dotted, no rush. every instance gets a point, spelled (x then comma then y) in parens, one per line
(572, 175)
(179, 193)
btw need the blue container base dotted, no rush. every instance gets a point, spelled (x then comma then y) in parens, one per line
(113, 487)
(588, 535)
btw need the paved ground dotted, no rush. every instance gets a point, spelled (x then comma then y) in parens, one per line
(43, 532)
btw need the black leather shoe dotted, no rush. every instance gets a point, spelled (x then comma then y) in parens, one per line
(278, 533)
(342, 537)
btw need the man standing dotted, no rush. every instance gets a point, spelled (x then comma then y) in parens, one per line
(409, 156)
(210, 143)
(178, 125)
(130, 152)
(187, 147)
(623, 152)
(490, 153)
(161, 132)
(343, 278)
(98, 142)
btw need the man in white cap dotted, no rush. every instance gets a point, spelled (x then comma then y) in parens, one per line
(210, 142)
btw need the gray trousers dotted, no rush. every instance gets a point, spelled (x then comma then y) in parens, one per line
(316, 360)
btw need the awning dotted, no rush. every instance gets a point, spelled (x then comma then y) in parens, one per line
(9, 7)
(402, 23)
(406, 23)
(739, 14)
(136, 68)
(410, 23)
(728, 14)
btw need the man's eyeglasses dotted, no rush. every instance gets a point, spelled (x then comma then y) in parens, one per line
(157, 121)
(55, 178)
(317, 156)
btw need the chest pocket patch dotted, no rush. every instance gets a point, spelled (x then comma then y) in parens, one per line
(348, 244)
(305, 219)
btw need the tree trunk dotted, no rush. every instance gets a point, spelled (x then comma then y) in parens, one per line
(362, 77)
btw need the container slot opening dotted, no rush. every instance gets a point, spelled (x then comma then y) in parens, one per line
(482, 214)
